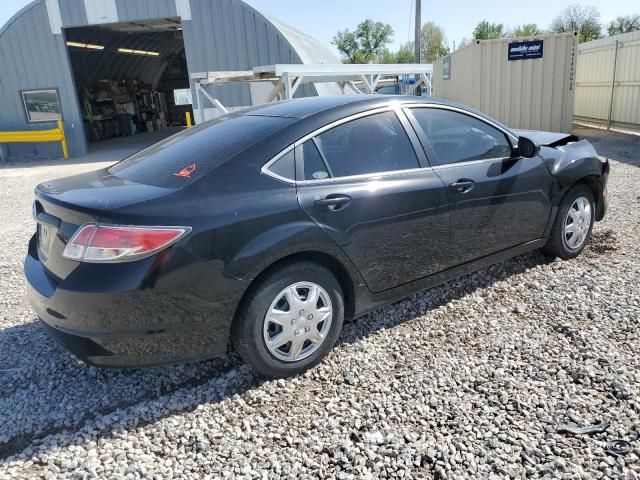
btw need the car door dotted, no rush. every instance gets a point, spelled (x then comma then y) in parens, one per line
(498, 199)
(361, 180)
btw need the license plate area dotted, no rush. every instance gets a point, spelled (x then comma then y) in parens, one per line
(46, 235)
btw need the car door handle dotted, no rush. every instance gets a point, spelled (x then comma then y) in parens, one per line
(333, 202)
(463, 185)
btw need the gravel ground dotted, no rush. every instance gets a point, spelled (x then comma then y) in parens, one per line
(470, 379)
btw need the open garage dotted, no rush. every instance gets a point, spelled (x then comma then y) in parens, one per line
(118, 70)
(130, 78)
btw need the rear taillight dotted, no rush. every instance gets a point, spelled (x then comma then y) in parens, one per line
(95, 243)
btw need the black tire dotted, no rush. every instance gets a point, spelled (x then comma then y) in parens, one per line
(247, 331)
(557, 244)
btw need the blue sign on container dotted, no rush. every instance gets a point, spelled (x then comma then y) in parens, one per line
(446, 68)
(526, 50)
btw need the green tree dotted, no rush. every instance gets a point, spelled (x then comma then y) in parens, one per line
(489, 31)
(584, 20)
(368, 42)
(527, 30)
(433, 43)
(405, 54)
(387, 56)
(626, 24)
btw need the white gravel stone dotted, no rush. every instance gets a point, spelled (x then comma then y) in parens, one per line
(467, 380)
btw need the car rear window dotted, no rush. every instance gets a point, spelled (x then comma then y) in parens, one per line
(189, 155)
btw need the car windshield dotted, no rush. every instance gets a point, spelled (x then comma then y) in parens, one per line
(189, 155)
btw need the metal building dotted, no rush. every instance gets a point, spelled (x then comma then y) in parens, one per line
(526, 83)
(608, 81)
(93, 62)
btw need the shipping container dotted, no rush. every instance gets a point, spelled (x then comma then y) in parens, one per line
(526, 83)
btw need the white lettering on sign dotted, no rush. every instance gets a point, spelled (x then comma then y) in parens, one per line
(525, 48)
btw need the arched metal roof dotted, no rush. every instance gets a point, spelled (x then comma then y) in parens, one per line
(219, 35)
(119, 66)
(307, 48)
(17, 15)
(310, 50)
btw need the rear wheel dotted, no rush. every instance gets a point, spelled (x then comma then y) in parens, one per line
(290, 320)
(573, 224)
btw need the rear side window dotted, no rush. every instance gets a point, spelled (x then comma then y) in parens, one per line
(373, 144)
(456, 137)
(314, 166)
(285, 166)
(189, 155)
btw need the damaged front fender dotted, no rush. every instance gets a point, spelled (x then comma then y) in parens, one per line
(577, 162)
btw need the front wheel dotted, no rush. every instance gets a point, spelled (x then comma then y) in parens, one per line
(573, 224)
(290, 320)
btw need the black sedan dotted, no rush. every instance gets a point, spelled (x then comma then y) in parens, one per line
(272, 226)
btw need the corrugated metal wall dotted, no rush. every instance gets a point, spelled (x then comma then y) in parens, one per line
(594, 79)
(218, 35)
(141, 9)
(33, 58)
(535, 94)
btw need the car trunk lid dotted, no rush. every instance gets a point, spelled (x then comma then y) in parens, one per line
(62, 206)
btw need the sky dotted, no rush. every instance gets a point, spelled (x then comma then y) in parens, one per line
(323, 18)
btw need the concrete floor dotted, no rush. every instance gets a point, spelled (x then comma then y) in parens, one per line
(111, 150)
(115, 149)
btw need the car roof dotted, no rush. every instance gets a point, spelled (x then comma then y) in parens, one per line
(305, 107)
(302, 108)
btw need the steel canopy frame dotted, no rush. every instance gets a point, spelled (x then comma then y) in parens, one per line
(287, 78)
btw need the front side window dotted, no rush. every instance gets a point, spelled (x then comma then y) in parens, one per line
(456, 137)
(373, 144)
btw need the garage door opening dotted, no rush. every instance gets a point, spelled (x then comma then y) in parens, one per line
(132, 81)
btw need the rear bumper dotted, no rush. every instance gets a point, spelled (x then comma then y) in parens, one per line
(171, 318)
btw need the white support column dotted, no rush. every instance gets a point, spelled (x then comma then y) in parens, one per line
(365, 79)
(287, 86)
(355, 89)
(216, 103)
(427, 81)
(348, 87)
(200, 91)
(199, 101)
(276, 91)
(374, 82)
(296, 84)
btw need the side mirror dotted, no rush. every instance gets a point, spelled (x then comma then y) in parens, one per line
(528, 148)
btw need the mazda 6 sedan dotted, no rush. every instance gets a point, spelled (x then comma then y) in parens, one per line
(271, 227)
